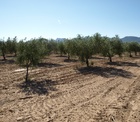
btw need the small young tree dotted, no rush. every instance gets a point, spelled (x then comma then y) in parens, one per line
(61, 48)
(98, 43)
(70, 47)
(12, 45)
(3, 49)
(29, 54)
(111, 47)
(117, 45)
(132, 47)
(107, 49)
(127, 49)
(43, 44)
(84, 49)
(9, 45)
(52, 46)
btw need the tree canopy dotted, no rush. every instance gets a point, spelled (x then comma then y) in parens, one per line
(30, 53)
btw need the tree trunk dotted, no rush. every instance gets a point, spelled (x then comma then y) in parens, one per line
(130, 55)
(15, 53)
(135, 53)
(3, 54)
(87, 62)
(68, 56)
(120, 55)
(27, 69)
(110, 58)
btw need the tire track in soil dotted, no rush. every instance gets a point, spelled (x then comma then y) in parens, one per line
(53, 104)
(39, 107)
(48, 106)
(121, 109)
(68, 106)
(86, 101)
(115, 86)
(82, 104)
(18, 78)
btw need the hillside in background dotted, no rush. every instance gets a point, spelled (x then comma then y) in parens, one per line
(125, 39)
(131, 38)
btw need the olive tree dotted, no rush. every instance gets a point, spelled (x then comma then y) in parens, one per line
(84, 49)
(61, 48)
(52, 46)
(29, 54)
(98, 43)
(107, 49)
(112, 46)
(132, 47)
(117, 45)
(127, 48)
(3, 48)
(12, 45)
(70, 47)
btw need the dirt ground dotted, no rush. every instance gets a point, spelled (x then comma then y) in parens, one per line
(62, 91)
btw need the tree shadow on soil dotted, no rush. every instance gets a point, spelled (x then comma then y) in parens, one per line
(7, 61)
(123, 64)
(11, 56)
(105, 72)
(37, 87)
(49, 65)
(60, 56)
(136, 57)
(97, 57)
(70, 60)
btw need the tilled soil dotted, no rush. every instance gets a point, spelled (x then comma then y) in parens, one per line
(62, 91)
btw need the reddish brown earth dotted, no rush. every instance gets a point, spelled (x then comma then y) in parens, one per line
(61, 91)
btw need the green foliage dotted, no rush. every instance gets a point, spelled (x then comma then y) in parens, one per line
(108, 50)
(12, 45)
(84, 48)
(112, 46)
(70, 47)
(42, 44)
(30, 53)
(98, 43)
(52, 46)
(132, 47)
(3, 48)
(117, 45)
(61, 48)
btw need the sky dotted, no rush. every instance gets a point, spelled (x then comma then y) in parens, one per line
(68, 18)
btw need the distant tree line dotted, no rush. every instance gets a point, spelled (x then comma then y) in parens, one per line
(85, 47)
(29, 53)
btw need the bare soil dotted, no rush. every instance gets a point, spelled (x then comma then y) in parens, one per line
(66, 91)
